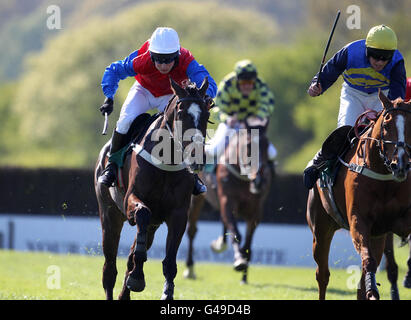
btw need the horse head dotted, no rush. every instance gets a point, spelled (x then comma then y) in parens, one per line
(187, 118)
(395, 136)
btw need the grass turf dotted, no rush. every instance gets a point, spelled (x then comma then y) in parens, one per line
(32, 275)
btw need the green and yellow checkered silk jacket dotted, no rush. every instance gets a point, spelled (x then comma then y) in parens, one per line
(230, 101)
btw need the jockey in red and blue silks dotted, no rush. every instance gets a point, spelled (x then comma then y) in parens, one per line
(158, 59)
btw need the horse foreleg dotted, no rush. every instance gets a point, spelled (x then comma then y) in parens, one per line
(227, 215)
(193, 215)
(220, 244)
(246, 249)
(391, 266)
(176, 226)
(142, 214)
(360, 234)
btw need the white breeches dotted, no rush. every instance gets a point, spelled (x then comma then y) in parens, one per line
(138, 101)
(216, 146)
(354, 102)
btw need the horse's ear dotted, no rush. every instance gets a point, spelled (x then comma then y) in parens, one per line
(204, 86)
(179, 91)
(384, 100)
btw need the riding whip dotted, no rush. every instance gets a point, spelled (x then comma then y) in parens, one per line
(328, 45)
(105, 124)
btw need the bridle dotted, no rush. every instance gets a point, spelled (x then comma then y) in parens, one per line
(397, 144)
(363, 169)
(179, 101)
(197, 138)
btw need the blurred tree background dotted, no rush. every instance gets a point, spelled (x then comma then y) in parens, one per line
(50, 79)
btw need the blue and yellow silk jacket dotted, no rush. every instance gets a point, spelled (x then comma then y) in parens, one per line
(352, 62)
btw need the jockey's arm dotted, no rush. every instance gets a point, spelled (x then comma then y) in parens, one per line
(332, 69)
(265, 103)
(398, 81)
(197, 72)
(115, 72)
(223, 102)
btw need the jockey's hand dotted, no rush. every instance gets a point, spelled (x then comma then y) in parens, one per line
(209, 101)
(107, 106)
(315, 89)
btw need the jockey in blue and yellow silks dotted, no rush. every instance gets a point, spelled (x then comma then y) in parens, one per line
(366, 66)
(360, 75)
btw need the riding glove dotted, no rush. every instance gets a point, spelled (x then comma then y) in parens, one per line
(107, 106)
(209, 101)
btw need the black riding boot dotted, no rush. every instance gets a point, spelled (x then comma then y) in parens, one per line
(109, 175)
(312, 171)
(199, 186)
(332, 147)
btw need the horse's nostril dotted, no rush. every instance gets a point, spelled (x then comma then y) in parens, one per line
(393, 166)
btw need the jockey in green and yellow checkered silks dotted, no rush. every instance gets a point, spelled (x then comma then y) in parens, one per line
(230, 101)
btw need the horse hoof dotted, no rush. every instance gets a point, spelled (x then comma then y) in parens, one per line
(240, 264)
(189, 273)
(136, 285)
(166, 297)
(218, 245)
(407, 282)
(168, 292)
(395, 295)
(372, 295)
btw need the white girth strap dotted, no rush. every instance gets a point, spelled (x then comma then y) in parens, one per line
(369, 173)
(157, 163)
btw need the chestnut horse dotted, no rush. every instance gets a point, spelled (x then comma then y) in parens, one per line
(372, 194)
(155, 190)
(241, 192)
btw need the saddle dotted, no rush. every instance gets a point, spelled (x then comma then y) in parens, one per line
(137, 131)
(333, 151)
(134, 135)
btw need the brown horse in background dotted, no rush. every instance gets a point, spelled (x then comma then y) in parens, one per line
(239, 194)
(370, 207)
(155, 191)
(392, 268)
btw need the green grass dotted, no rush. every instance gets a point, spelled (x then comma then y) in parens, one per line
(23, 275)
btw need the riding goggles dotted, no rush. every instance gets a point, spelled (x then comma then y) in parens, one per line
(246, 82)
(379, 54)
(163, 58)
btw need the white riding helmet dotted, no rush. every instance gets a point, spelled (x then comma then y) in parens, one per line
(164, 41)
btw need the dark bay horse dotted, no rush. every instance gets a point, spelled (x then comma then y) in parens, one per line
(157, 188)
(242, 187)
(372, 196)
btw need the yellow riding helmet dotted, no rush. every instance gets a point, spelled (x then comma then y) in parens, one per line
(245, 69)
(381, 37)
